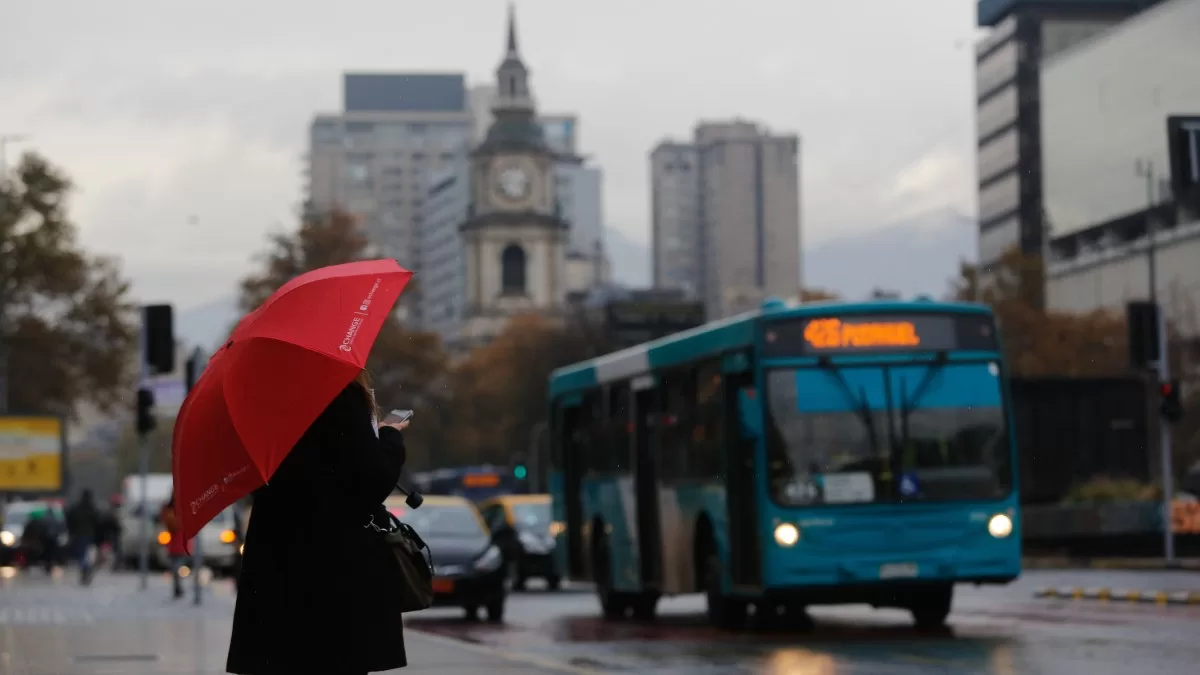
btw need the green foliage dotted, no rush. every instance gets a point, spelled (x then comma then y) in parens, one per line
(66, 319)
(1103, 490)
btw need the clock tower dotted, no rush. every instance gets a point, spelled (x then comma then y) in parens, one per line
(514, 238)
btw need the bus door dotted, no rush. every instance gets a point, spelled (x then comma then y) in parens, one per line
(647, 407)
(745, 547)
(569, 423)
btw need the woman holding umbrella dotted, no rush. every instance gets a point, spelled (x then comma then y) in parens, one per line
(296, 612)
(285, 410)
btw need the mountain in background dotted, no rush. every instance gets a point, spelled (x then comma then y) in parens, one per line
(918, 256)
(912, 257)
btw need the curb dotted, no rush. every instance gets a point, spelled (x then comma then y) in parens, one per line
(1129, 564)
(1113, 595)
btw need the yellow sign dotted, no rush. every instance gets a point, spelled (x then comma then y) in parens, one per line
(31, 450)
(833, 334)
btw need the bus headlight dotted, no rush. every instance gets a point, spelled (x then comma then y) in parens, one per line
(1000, 526)
(786, 535)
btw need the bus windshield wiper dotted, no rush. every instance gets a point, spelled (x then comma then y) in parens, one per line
(862, 406)
(909, 402)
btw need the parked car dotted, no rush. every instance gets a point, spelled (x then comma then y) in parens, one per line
(468, 567)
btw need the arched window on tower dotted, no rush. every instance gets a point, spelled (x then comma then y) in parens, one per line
(512, 270)
(512, 85)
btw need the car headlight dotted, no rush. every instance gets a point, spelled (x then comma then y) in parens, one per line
(7, 538)
(1000, 526)
(490, 560)
(532, 543)
(786, 535)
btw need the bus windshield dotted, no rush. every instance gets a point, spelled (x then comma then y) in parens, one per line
(885, 434)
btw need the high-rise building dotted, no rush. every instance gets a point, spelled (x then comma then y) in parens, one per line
(726, 215)
(676, 232)
(1007, 76)
(370, 158)
(446, 204)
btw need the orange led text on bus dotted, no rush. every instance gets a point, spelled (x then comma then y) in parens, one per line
(833, 334)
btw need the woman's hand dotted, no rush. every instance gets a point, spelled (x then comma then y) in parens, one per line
(398, 426)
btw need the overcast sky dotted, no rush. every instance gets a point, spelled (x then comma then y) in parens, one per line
(185, 128)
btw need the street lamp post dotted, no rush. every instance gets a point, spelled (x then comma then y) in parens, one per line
(1145, 169)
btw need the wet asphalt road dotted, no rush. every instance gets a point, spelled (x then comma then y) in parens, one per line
(993, 630)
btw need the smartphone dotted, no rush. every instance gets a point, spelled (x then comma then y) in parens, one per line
(397, 416)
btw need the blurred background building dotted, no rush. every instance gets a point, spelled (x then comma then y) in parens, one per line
(1024, 33)
(1120, 120)
(725, 215)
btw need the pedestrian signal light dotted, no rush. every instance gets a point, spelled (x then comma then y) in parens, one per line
(145, 411)
(520, 472)
(1171, 407)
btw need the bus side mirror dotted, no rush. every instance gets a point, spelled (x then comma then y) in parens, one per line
(750, 414)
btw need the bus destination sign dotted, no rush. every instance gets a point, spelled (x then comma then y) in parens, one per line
(874, 334)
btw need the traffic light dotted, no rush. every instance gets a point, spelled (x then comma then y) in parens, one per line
(158, 330)
(1141, 317)
(520, 472)
(1171, 407)
(145, 411)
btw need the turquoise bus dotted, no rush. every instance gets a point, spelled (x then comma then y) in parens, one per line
(791, 456)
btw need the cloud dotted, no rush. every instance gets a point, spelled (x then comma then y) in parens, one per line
(162, 113)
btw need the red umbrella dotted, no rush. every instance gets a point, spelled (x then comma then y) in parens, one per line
(281, 367)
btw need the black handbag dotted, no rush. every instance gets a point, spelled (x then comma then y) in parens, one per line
(413, 560)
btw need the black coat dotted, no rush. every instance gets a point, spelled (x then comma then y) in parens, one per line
(317, 589)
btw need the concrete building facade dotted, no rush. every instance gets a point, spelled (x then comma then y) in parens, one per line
(737, 240)
(1023, 34)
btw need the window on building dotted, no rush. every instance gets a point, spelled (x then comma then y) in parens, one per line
(512, 270)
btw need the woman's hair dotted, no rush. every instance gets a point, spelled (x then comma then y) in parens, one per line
(363, 380)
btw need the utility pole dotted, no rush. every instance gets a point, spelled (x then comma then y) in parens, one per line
(1145, 169)
(195, 364)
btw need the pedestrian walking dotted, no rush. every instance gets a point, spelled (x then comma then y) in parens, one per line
(322, 497)
(176, 546)
(83, 521)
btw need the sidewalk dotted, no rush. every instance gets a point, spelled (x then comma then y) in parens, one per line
(198, 647)
(54, 627)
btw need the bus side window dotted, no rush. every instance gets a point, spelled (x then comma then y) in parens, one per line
(587, 433)
(680, 411)
(617, 424)
(708, 427)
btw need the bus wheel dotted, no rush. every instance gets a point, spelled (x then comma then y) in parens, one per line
(724, 612)
(644, 606)
(614, 604)
(931, 606)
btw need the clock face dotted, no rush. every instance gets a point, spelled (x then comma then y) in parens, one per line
(513, 182)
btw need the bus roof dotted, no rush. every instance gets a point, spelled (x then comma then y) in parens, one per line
(718, 337)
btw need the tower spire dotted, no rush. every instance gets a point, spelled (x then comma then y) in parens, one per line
(512, 51)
